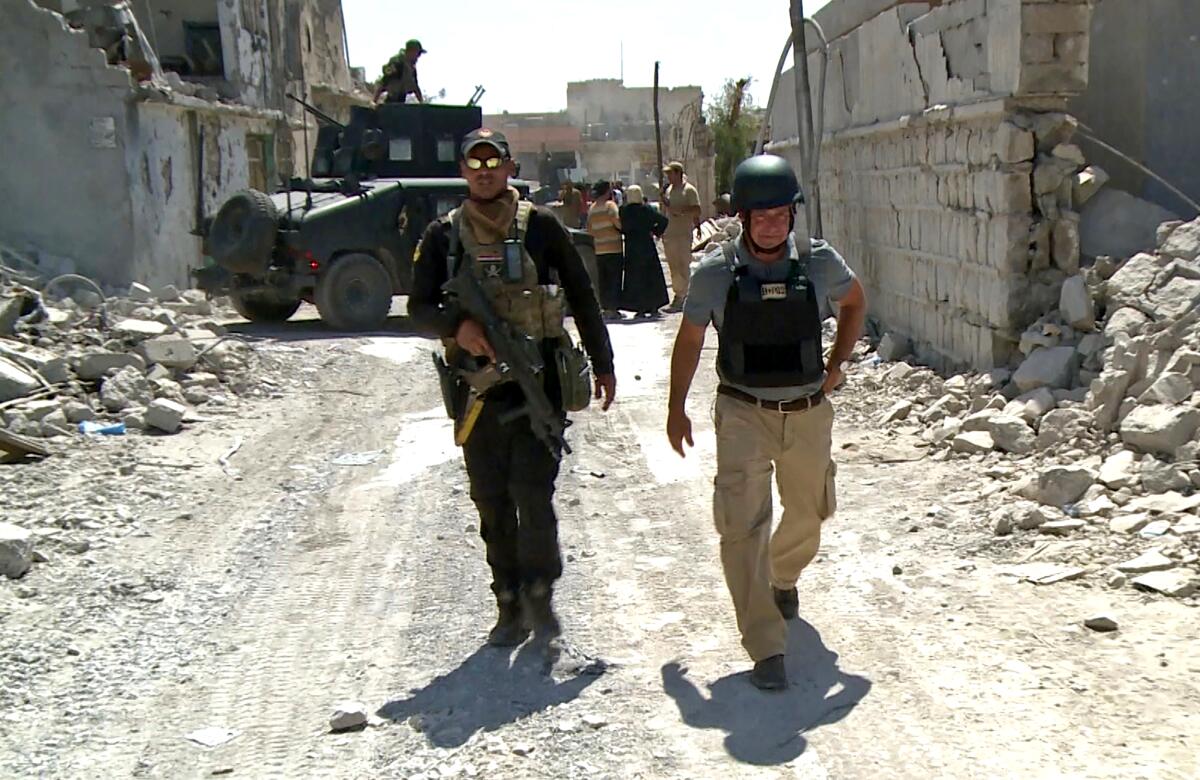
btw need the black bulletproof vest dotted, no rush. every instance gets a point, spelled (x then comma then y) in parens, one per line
(771, 336)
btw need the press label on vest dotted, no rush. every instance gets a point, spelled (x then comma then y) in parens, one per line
(774, 291)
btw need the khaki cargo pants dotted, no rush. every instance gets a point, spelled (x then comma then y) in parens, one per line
(678, 250)
(751, 443)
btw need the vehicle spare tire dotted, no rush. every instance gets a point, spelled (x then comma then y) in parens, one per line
(243, 233)
(260, 307)
(354, 293)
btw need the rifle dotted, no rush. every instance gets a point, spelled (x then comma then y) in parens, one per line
(518, 358)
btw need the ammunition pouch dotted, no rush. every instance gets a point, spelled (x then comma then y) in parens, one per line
(574, 375)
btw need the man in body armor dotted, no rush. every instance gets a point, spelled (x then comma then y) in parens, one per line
(767, 295)
(524, 261)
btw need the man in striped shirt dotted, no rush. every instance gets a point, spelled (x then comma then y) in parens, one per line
(604, 223)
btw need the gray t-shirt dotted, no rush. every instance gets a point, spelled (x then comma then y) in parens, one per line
(830, 276)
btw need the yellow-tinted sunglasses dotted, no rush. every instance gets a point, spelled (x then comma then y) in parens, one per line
(474, 163)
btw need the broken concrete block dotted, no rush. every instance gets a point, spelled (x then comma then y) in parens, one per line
(1174, 299)
(49, 365)
(1146, 563)
(10, 312)
(15, 382)
(1169, 390)
(16, 550)
(95, 364)
(1013, 144)
(1064, 527)
(1087, 183)
(972, 442)
(896, 412)
(894, 346)
(1159, 429)
(1177, 584)
(1160, 477)
(1119, 470)
(1062, 485)
(1132, 281)
(140, 292)
(1064, 244)
(1075, 303)
(36, 410)
(1047, 367)
(169, 351)
(77, 412)
(348, 715)
(1011, 434)
(137, 330)
(168, 292)
(125, 388)
(55, 424)
(165, 415)
(1184, 242)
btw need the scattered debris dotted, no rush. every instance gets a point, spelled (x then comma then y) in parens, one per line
(212, 736)
(358, 458)
(16, 550)
(1101, 623)
(348, 715)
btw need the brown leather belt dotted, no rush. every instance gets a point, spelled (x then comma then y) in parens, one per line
(794, 405)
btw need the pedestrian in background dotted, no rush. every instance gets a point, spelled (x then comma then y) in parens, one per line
(682, 203)
(644, 290)
(604, 223)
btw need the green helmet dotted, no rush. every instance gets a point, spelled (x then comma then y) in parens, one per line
(765, 181)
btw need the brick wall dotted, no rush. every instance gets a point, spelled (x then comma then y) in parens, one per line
(946, 165)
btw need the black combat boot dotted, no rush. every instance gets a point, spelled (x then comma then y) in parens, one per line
(770, 674)
(509, 630)
(788, 602)
(536, 610)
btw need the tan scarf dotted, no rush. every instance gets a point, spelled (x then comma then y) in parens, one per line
(490, 220)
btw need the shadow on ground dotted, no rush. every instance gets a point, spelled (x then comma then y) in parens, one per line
(768, 728)
(308, 329)
(491, 688)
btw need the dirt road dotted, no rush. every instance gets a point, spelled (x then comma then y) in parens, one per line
(337, 558)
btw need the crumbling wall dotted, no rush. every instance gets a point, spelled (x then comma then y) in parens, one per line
(1142, 97)
(65, 130)
(945, 175)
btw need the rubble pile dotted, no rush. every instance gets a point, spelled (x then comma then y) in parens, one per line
(137, 362)
(1094, 430)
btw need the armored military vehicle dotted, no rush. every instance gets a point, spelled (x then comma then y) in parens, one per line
(344, 238)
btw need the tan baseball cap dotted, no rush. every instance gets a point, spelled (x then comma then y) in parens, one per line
(674, 165)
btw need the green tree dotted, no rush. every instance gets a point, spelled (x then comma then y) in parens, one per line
(734, 122)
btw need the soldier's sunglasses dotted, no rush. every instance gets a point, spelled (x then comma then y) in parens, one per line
(474, 163)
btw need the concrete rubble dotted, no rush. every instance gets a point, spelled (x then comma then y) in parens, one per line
(1097, 419)
(141, 358)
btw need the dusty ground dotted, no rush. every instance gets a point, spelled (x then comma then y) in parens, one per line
(255, 598)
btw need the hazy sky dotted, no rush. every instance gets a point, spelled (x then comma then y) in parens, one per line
(525, 51)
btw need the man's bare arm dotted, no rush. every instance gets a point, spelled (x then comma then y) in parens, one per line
(852, 314)
(685, 357)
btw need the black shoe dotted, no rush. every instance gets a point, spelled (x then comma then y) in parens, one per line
(509, 630)
(769, 674)
(788, 602)
(537, 613)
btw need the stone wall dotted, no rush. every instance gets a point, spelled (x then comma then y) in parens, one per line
(946, 163)
(103, 176)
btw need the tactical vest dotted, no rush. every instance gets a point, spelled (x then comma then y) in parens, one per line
(771, 334)
(509, 276)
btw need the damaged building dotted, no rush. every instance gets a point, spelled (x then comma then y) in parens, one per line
(955, 172)
(136, 120)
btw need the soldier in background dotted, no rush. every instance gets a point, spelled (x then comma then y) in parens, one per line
(400, 75)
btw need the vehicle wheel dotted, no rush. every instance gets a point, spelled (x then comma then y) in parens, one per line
(243, 233)
(354, 294)
(263, 308)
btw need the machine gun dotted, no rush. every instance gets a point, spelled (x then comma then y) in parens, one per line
(518, 358)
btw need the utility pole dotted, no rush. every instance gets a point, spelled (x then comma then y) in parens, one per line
(804, 119)
(662, 187)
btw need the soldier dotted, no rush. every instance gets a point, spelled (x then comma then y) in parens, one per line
(400, 75)
(683, 210)
(512, 248)
(767, 295)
